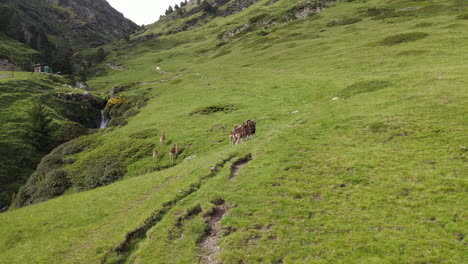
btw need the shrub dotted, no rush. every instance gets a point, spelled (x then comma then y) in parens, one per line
(39, 130)
(129, 113)
(100, 175)
(403, 38)
(106, 164)
(118, 121)
(55, 183)
(50, 162)
(67, 131)
(114, 101)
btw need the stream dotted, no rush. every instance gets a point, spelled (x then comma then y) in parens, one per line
(104, 120)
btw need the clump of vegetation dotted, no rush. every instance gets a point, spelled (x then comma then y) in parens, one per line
(377, 127)
(119, 109)
(403, 38)
(106, 164)
(48, 181)
(363, 87)
(375, 11)
(214, 109)
(117, 121)
(382, 13)
(66, 131)
(462, 17)
(342, 22)
(39, 129)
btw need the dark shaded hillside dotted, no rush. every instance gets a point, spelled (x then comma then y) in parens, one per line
(72, 112)
(55, 27)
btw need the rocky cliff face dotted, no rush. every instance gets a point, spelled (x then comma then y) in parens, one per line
(75, 22)
(54, 27)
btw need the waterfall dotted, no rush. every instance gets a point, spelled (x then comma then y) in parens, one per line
(104, 120)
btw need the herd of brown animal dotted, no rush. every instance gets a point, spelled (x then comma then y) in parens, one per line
(241, 132)
(172, 154)
(237, 136)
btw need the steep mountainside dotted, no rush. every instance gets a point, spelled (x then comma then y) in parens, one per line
(55, 26)
(360, 153)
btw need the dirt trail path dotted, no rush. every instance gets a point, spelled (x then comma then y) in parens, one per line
(209, 245)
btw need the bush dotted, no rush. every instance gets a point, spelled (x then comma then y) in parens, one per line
(403, 38)
(130, 113)
(39, 130)
(55, 183)
(103, 174)
(67, 131)
(50, 162)
(118, 121)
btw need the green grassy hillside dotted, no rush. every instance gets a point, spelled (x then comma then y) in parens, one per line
(360, 154)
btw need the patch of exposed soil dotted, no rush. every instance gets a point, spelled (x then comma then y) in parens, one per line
(238, 164)
(209, 244)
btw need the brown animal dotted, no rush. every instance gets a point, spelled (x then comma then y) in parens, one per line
(246, 130)
(162, 138)
(236, 135)
(155, 154)
(251, 128)
(173, 153)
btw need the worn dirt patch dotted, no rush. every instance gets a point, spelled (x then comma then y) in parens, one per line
(209, 244)
(238, 164)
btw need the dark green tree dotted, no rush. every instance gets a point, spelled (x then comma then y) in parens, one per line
(169, 10)
(208, 8)
(101, 54)
(39, 130)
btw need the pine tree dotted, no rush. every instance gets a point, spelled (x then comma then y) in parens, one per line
(169, 10)
(39, 130)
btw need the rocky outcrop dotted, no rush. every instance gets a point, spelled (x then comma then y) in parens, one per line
(236, 6)
(75, 22)
(57, 28)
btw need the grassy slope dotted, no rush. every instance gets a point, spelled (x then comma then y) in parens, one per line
(19, 53)
(376, 177)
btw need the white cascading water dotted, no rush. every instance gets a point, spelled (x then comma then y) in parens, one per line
(104, 120)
